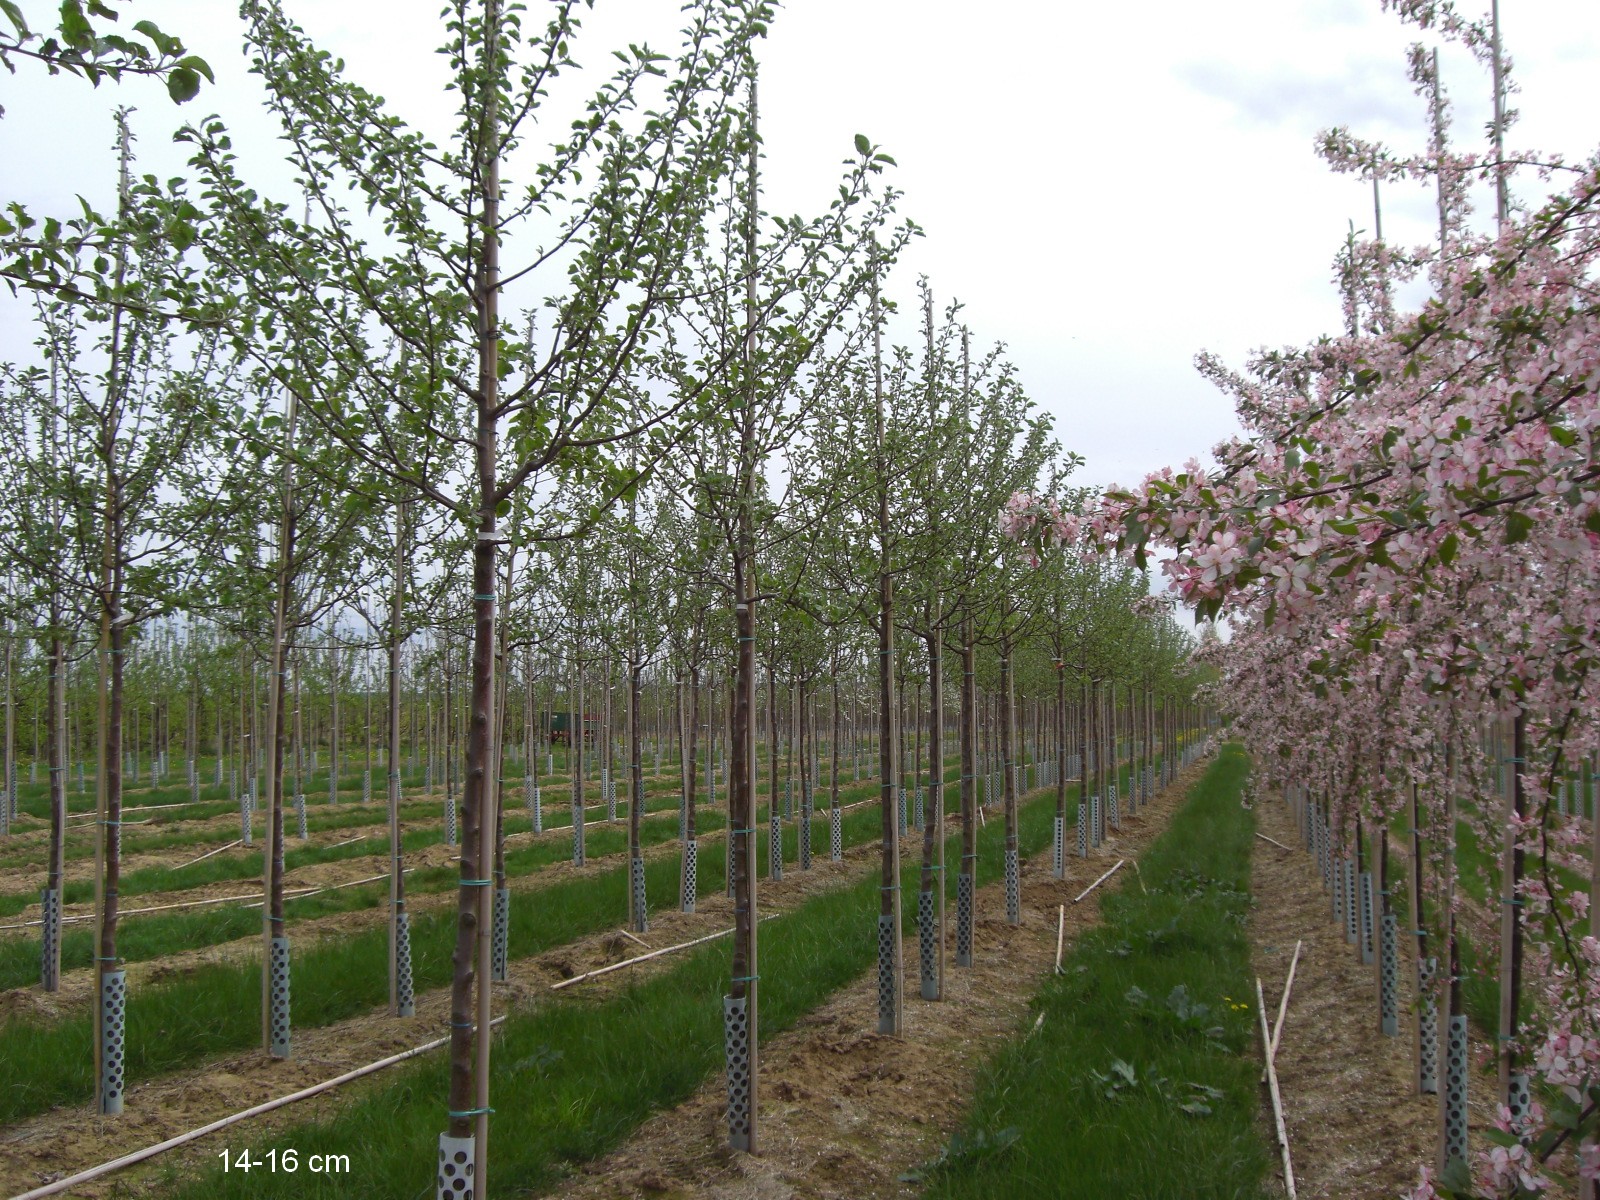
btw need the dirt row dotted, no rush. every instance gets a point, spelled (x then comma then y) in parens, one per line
(1357, 1125)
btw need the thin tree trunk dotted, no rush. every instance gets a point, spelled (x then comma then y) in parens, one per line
(969, 814)
(933, 815)
(469, 1022)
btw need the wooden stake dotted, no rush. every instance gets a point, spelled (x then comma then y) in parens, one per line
(1061, 932)
(208, 854)
(1277, 1099)
(1278, 844)
(1099, 881)
(1283, 1004)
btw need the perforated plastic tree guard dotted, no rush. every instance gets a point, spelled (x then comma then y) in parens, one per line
(927, 943)
(835, 834)
(1455, 1090)
(1427, 1030)
(691, 875)
(1517, 1100)
(775, 847)
(1389, 976)
(300, 816)
(49, 935)
(405, 993)
(888, 993)
(805, 833)
(457, 1168)
(1059, 861)
(113, 1010)
(577, 835)
(1368, 949)
(278, 998)
(1083, 829)
(736, 1049)
(500, 945)
(1013, 889)
(963, 920)
(641, 909)
(450, 821)
(1352, 923)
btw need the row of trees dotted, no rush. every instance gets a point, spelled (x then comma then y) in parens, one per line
(687, 452)
(1406, 543)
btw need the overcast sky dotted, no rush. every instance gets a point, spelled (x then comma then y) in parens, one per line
(1109, 188)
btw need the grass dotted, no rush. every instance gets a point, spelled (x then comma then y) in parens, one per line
(1140, 1081)
(216, 1008)
(574, 1075)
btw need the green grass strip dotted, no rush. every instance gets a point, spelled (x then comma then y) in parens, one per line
(1141, 1081)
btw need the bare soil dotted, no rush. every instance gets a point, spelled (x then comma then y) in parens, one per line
(1357, 1125)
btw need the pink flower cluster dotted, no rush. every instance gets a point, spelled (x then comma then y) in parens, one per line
(1406, 542)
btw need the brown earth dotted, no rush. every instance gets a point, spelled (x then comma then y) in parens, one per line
(1357, 1126)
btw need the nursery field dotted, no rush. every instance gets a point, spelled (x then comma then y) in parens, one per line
(188, 1014)
(532, 663)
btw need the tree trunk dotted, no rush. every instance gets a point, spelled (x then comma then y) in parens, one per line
(1008, 773)
(969, 815)
(930, 906)
(641, 912)
(469, 1022)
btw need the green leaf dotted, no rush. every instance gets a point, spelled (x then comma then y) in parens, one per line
(75, 27)
(1447, 549)
(14, 13)
(1518, 526)
(195, 63)
(183, 83)
(181, 234)
(863, 146)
